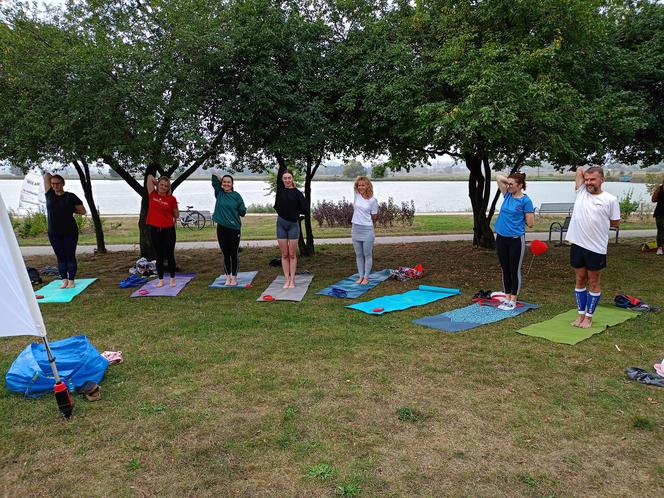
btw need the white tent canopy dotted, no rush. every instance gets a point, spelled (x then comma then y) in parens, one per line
(18, 305)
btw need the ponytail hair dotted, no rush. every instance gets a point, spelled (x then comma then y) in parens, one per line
(520, 178)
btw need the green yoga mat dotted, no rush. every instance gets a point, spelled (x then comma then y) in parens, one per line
(558, 328)
(53, 294)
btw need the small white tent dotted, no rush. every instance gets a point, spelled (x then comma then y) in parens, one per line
(18, 305)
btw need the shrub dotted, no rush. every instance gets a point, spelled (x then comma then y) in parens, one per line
(261, 208)
(32, 225)
(628, 206)
(341, 213)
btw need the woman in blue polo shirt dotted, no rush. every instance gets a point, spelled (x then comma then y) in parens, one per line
(515, 213)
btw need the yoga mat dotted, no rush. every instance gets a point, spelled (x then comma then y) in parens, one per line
(53, 294)
(425, 294)
(558, 328)
(181, 280)
(470, 317)
(278, 293)
(244, 279)
(350, 290)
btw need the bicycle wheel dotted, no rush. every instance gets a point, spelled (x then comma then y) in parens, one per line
(197, 221)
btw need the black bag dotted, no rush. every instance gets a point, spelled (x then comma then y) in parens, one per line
(34, 275)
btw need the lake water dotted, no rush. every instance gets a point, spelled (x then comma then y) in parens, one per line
(116, 197)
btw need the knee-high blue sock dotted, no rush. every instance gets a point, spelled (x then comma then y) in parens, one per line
(593, 300)
(581, 300)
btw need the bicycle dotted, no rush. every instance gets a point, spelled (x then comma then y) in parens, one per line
(192, 219)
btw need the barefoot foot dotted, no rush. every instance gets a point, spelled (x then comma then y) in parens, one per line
(160, 283)
(577, 322)
(172, 282)
(359, 280)
(65, 283)
(71, 284)
(233, 281)
(365, 281)
(586, 324)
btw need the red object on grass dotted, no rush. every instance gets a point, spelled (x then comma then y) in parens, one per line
(538, 247)
(378, 310)
(247, 286)
(143, 292)
(268, 297)
(39, 296)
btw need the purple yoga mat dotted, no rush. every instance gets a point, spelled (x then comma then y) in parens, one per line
(181, 279)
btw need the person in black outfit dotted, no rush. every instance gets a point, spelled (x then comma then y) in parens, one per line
(289, 204)
(658, 197)
(62, 228)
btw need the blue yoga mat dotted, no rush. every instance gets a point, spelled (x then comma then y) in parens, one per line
(349, 289)
(54, 294)
(471, 316)
(244, 279)
(425, 294)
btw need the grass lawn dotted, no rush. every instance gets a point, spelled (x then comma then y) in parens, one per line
(125, 230)
(223, 396)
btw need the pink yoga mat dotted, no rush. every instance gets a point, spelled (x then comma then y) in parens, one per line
(151, 290)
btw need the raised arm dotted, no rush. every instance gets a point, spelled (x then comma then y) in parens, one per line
(47, 181)
(280, 173)
(578, 178)
(502, 183)
(216, 183)
(150, 184)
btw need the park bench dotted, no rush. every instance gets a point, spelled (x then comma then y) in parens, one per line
(562, 227)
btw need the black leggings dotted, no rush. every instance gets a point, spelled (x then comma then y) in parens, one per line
(510, 255)
(64, 247)
(229, 243)
(163, 242)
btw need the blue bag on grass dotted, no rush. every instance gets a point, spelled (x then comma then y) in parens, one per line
(76, 358)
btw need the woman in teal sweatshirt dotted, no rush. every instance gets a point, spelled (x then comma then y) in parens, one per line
(227, 212)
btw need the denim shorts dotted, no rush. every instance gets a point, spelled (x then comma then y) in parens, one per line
(287, 229)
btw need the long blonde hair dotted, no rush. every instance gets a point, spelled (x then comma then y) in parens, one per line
(365, 179)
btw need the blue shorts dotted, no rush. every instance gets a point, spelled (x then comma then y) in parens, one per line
(584, 258)
(287, 229)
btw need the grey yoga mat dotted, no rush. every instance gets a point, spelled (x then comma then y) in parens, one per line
(278, 293)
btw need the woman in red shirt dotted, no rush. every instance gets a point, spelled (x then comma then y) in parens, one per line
(162, 213)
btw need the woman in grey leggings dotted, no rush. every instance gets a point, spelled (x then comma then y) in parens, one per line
(365, 212)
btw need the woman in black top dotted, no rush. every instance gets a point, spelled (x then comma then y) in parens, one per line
(289, 204)
(658, 197)
(62, 228)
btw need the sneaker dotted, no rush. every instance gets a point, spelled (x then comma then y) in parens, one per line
(507, 306)
(660, 251)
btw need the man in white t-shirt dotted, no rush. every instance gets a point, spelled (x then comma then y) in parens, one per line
(595, 212)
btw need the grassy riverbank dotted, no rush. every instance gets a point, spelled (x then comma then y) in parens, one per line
(223, 396)
(125, 230)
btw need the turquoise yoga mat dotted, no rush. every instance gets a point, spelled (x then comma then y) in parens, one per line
(54, 294)
(424, 294)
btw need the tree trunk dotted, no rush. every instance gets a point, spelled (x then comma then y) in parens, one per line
(479, 189)
(306, 245)
(86, 182)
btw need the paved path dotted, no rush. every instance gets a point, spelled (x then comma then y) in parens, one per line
(402, 239)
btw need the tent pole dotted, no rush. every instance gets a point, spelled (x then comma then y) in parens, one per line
(51, 360)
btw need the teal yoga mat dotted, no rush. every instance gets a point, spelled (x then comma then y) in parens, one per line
(425, 294)
(53, 294)
(559, 328)
(347, 288)
(244, 280)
